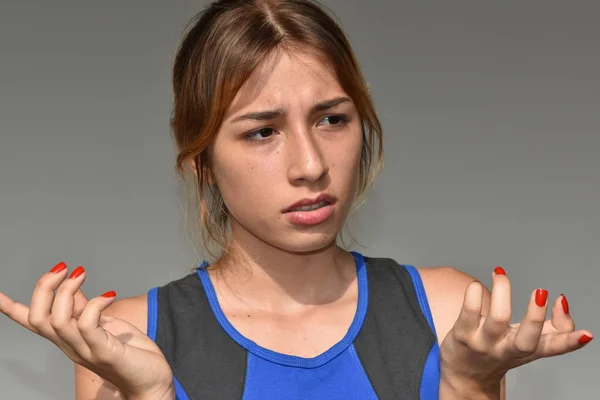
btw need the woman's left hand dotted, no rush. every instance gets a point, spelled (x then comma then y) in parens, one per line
(479, 350)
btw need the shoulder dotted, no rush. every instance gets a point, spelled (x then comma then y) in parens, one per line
(131, 309)
(445, 288)
(135, 309)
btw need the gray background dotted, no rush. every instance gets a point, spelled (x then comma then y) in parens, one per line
(491, 117)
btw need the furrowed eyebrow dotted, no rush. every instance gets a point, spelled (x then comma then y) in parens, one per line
(272, 114)
(327, 104)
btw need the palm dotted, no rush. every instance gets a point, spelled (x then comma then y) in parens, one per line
(137, 351)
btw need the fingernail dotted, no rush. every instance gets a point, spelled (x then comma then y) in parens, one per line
(541, 295)
(585, 339)
(112, 293)
(565, 304)
(499, 271)
(77, 272)
(58, 267)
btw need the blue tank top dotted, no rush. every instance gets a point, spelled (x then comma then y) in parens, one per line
(390, 350)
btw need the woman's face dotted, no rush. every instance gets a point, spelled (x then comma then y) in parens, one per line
(291, 135)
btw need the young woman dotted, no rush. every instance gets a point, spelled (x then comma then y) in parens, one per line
(275, 127)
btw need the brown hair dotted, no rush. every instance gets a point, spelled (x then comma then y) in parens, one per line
(220, 49)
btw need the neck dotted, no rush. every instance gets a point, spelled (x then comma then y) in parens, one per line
(273, 279)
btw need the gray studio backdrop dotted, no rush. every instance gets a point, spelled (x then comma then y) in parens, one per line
(492, 135)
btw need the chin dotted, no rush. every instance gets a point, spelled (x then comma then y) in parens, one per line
(292, 239)
(308, 239)
(306, 242)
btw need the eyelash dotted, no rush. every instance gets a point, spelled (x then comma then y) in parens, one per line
(343, 120)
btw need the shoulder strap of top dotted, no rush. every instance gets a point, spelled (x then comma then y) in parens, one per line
(206, 363)
(431, 371)
(398, 335)
(421, 295)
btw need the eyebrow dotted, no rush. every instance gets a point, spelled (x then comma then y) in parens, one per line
(272, 114)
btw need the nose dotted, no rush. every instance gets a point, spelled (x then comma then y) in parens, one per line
(306, 159)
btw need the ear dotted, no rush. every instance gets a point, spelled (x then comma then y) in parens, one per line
(206, 172)
(208, 176)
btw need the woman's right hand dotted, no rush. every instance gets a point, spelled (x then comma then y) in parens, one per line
(110, 347)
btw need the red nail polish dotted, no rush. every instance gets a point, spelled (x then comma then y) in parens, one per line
(58, 267)
(565, 304)
(112, 293)
(499, 271)
(541, 295)
(585, 339)
(77, 272)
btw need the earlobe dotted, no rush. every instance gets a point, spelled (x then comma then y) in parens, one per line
(207, 176)
(206, 172)
(192, 167)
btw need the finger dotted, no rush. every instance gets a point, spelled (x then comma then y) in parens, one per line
(555, 344)
(528, 336)
(470, 314)
(42, 299)
(80, 303)
(61, 317)
(498, 319)
(561, 318)
(16, 311)
(100, 342)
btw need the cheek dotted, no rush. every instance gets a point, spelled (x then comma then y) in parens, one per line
(346, 155)
(347, 168)
(245, 183)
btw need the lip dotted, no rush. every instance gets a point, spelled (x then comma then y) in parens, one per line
(310, 218)
(307, 202)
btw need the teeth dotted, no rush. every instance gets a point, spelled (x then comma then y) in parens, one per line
(312, 207)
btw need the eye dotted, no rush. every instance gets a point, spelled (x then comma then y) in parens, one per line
(259, 135)
(336, 120)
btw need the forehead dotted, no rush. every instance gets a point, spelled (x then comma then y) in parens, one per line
(286, 79)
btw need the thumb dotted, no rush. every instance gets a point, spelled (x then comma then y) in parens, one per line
(470, 313)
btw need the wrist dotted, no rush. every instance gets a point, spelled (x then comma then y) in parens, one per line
(458, 388)
(169, 396)
(163, 394)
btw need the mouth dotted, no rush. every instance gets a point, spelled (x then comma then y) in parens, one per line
(311, 204)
